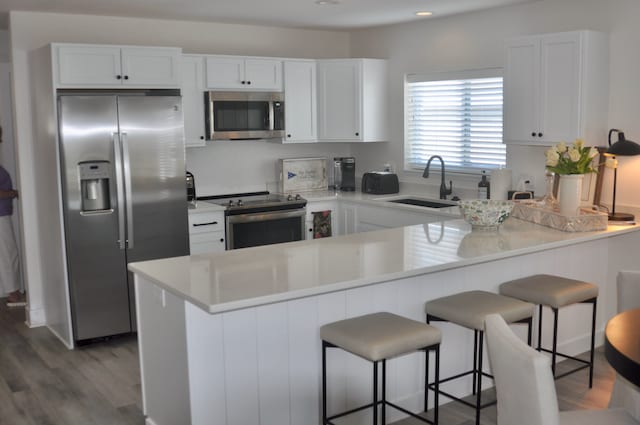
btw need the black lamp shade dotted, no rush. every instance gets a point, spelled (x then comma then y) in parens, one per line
(623, 147)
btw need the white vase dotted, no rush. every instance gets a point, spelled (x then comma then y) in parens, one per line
(569, 194)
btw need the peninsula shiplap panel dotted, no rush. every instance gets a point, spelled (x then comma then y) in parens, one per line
(273, 364)
(241, 367)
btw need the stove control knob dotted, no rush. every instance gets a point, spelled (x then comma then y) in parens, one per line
(298, 197)
(239, 203)
(230, 203)
(289, 197)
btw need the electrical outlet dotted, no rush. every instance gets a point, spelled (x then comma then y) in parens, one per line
(527, 179)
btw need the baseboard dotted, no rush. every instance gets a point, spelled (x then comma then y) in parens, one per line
(35, 317)
(580, 344)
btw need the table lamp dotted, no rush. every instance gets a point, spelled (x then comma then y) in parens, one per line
(622, 147)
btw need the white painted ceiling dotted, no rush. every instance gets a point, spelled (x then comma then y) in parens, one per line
(346, 14)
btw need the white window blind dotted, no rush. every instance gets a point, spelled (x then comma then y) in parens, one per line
(458, 119)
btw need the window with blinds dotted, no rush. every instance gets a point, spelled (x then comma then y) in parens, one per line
(459, 119)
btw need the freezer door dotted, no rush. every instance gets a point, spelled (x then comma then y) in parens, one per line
(152, 135)
(96, 258)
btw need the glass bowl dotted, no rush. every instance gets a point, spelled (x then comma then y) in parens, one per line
(485, 214)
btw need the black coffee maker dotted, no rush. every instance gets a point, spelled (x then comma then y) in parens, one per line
(344, 173)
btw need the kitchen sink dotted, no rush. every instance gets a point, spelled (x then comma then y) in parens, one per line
(423, 203)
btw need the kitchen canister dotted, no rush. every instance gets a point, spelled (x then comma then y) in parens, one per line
(500, 183)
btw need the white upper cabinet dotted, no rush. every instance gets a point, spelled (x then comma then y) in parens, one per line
(193, 89)
(352, 100)
(300, 101)
(96, 66)
(233, 73)
(556, 88)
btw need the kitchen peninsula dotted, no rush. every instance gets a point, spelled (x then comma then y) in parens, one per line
(233, 337)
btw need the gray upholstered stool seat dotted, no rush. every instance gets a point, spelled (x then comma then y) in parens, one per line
(469, 309)
(553, 291)
(378, 337)
(556, 292)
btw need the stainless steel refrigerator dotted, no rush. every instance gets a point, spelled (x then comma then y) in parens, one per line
(124, 199)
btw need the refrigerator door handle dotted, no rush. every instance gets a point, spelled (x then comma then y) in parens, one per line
(117, 151)
(127, 188)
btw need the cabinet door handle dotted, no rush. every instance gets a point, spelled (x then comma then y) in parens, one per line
(539, 134)
(118, 77)
(201, 137)
(221, 239)
(288, 135)
(243, 82)
(248, 82)
(205, 224)
(357, 134)
(126, 77)
(533, 134)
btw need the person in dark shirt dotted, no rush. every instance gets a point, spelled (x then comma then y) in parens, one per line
(9, 262)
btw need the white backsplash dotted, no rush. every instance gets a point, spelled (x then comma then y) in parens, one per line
(248, 165)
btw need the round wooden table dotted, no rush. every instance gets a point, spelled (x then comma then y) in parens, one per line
(622, 344)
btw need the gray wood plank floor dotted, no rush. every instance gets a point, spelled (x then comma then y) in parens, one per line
(43, 383)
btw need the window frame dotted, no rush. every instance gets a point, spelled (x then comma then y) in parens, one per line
(444, 76)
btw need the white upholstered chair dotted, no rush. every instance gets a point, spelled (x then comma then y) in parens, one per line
(525, 387)
(625, 394)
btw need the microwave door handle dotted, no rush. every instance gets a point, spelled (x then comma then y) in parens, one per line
(127, 188)
(117, 155)
(271, 117)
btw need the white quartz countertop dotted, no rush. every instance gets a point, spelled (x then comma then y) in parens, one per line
(219, 282)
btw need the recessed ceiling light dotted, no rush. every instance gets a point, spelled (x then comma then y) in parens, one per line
(424, 13)
(327, 2)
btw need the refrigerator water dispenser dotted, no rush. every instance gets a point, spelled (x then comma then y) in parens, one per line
(94, 185)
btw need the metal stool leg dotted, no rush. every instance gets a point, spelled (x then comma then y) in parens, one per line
(479, 390)
(555, 341)
(324, 383)
(426, 380)
(375, 393)
(475, 361)
(384, 392)
(437, 386)
(593, 342)
(539, 327)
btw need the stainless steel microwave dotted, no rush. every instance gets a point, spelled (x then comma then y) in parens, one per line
(244, 115)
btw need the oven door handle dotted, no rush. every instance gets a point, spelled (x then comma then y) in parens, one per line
(265, 216)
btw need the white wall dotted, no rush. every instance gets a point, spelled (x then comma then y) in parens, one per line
(31, 31)
(475, 40)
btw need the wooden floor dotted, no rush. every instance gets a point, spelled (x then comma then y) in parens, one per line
(41, 382)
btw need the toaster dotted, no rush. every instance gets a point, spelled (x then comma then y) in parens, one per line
(380, 183)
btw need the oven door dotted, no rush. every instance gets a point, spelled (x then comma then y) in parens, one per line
(264, 228)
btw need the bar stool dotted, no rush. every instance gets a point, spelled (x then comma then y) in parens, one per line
(555, 292)
(377, 337)
(468, 309)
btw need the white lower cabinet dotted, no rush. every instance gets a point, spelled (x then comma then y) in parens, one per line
(206, 232)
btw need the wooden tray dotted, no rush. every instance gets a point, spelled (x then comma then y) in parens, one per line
(587, 221)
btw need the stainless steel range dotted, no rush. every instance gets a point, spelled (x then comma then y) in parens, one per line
(261, 218)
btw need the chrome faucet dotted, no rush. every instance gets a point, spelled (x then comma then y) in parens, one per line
(443, 187)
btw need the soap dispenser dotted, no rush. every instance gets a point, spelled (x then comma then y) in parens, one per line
(484, 187)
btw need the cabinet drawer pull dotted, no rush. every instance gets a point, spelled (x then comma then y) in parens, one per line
(205, 224)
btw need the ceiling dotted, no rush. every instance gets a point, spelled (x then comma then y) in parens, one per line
(336, 14)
